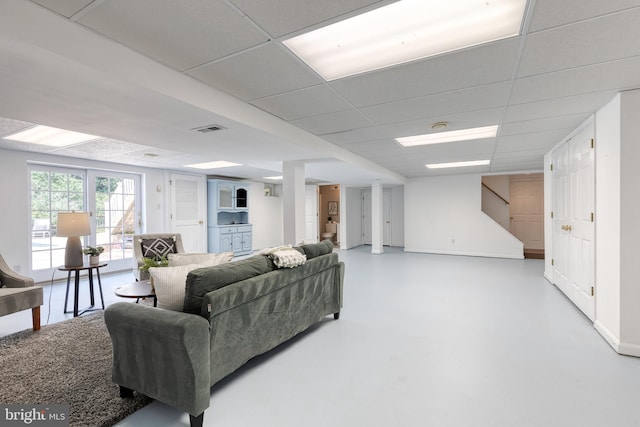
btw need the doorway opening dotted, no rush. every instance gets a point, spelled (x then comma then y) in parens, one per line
(516, 202)
(329, 213)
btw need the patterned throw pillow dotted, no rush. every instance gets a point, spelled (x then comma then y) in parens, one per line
(158, 248)
(287, 257)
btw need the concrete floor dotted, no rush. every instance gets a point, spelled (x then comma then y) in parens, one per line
(423, 340)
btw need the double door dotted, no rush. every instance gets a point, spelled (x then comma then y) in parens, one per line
(573, 219)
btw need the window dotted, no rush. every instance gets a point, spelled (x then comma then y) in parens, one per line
(113, 200)
(116, 215)
(52, 191)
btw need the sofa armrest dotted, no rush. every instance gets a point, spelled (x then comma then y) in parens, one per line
(162, 354)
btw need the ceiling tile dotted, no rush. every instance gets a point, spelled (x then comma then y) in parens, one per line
(66, 8)
(439, 105)
(615, 75)
(456, 121)
(355, 135)
(308, 102)
(570, 121)
(532, 141)
(181, 34)
(577, 104)
(281, 17)
(578, 44)
(332, 123)
(552, 13)
(481, 65)
(264, 71)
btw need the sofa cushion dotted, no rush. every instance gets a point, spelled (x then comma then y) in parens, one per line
(158, 248)
(316, 249)
(205, 259)
(170, 283)
(205, 280)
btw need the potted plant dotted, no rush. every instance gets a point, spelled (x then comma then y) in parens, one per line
(94, 254)
(152, 262)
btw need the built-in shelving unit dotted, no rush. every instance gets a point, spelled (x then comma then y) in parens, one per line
(229, 228)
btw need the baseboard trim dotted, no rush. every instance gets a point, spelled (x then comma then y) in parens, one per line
(549, 277)
(608, 336)
(463, 253)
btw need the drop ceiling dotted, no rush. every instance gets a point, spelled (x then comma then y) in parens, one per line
(144, 74)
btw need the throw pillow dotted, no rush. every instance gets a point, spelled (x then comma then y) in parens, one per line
(158, 248)
(170, 284)
(287, 258)
(205, 259)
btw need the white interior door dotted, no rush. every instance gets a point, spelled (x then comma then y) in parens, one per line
(188, 211)
(311, 214)
(573, 226)
(526, 211)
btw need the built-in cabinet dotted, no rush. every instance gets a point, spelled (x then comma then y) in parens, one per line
(228, 215)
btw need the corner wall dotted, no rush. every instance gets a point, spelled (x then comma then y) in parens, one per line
(443, 215)
(618, 223)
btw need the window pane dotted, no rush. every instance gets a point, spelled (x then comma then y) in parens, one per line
(50, 193)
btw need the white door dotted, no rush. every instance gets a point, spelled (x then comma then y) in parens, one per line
(311, 214)
(386, 217)
(188, 211)
(526, 210)
(573, 226)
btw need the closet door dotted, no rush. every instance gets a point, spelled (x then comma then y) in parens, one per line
(573, 221)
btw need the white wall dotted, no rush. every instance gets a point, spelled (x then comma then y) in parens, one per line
(630, 223)
(265, 214)
(607, 233)
(618, 223)
(351, 224)
(397, 216)
(443, 215)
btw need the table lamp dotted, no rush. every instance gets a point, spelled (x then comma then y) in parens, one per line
(73, 225)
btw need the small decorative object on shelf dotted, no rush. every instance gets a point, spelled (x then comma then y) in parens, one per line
(94, 254)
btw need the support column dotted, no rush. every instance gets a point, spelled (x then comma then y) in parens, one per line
(376, 218)
(293, 201)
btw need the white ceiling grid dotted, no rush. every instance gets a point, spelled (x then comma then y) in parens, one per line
(574, 56)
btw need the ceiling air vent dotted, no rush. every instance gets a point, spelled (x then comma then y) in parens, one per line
(209, 128)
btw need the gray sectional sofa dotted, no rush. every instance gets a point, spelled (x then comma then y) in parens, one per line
(232, 313)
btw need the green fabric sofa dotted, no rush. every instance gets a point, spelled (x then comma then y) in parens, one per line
(232, 313)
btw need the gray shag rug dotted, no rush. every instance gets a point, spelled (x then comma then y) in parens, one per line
(66, 363)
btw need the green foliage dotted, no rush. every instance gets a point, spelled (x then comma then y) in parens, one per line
(150, 262)
(91, 250)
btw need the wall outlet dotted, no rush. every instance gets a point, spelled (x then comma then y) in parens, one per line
(453, 241)
(16, 268)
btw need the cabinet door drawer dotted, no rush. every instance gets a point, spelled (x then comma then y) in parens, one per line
(244, 229)
(228, 230)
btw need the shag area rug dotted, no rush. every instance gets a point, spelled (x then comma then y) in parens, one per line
(66, 363)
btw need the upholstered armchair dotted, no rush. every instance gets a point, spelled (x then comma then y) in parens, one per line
(156, 245)
(17, 293)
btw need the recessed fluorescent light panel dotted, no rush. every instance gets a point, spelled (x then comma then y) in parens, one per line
(405, 31)
(451, 136)
(458, 164)
(53, 137)
(275, 178)
(213, 165)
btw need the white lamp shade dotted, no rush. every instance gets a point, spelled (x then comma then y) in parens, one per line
(73, 224)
